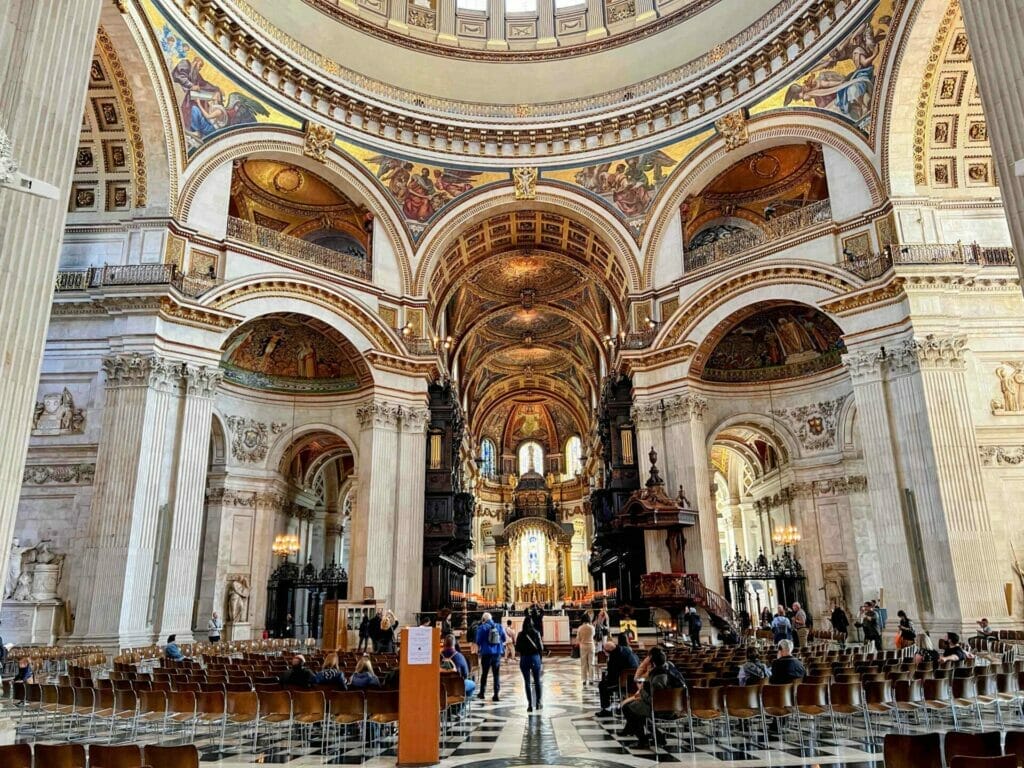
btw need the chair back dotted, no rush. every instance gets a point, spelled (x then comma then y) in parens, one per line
(382, 704)
(985, 744)
(309, 703)
(742, 697)
(16, 756)
(846, 694)
(274, 703)
(185, 756)
(348, 703)
(707, 703)
(779, 696)
(210, 702)
(669, 702)
(1001, 761)
(916, 751)
(59, 756)
(908, 691)
(812, 695)
(117, 756)
(878, 692)
(242, 703)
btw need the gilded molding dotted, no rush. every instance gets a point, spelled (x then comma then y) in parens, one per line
(733, 129)
(198, 317)
(869, 298)
(922, 125)
(318, 139)
(426, 369)
(524, 181)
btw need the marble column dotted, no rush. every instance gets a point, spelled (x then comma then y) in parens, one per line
(546, 24)
(595, 20)
(995, 29)
(647, 419)
(496, 40)
(179, 601)
(130, 498)
(373, 518)
(270, 520)
(407, 547)
(867, 368)
(41, 113)
(809, 548)
(975, 548)
(446, 10)
(687, 466)
(398, 10)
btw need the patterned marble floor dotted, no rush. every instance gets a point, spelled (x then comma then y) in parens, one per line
(566, 732)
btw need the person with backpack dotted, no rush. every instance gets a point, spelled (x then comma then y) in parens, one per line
(530, 647)
(754, 671)
(905, 634)
(781, 628)
(453, 661)
(490, 642)
(657, 673)
(693, 626)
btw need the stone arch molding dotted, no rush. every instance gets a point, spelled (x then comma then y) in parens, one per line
(549, 197)
(763, 133)
(516, 529)
(253, 297)
(803, 282)
(287, 145)
(288, 436)
(773, 429)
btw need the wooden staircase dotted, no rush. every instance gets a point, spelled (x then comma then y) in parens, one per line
(677, 591)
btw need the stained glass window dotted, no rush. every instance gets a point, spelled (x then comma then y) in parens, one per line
(531, 458)
(487, 452)
(573, 456)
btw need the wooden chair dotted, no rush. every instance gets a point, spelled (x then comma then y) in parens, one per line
(59, 756)
(1002, 761)
(381, 711)
(847, 700)
(115, 756)
(668, 706)
(918, 751)
(347, 708)
(242, 709)
(16, 756)
(309, 708)
(185, 756)
(276, 712)
(778, 702)
(960, 743)
(707, 706)
(743, 704)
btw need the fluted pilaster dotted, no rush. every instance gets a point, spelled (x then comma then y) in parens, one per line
(40, 110)
(407, 550)
(179, 584)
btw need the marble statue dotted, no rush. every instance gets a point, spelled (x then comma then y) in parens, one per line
(22, 588)
(14, 565)
(238, 600)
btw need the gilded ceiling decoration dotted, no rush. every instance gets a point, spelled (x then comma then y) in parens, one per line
(293, 353)
(754, 189)
(951, 146)
(110, 172)
(767, 343)
(299, 203)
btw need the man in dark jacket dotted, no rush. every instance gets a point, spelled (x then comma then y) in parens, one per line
(786, 668)
(840, 624)
(693, 627)
(490, 643)
(619, 660)
(298, 675)
(658, 673)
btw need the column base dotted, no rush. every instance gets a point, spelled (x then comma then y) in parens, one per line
(497, 45)
(447, 39)
(547, 42)
(596, 34)
(398, 26)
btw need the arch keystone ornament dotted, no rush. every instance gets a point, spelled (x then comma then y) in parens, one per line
(733, 129)
(318, 140)
(525, 181)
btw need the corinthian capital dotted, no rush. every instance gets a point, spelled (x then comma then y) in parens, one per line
(127, 370)
(377, 414)
(940, 351)
(647, 414)
(685, 407)
(864, 364)
(202, 381)
(415, 419)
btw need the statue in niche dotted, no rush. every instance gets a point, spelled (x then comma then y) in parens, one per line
(836, 591)
(238, 600)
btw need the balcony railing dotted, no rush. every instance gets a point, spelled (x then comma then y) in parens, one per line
(133, 274)
(874, 265)
(300, 250)
(729, 247)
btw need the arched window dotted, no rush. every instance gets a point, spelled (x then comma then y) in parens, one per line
(573, 456)
(531, 458)
(487, 451)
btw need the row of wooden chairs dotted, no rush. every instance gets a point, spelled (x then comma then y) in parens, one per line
(100, 756)
(954, 749)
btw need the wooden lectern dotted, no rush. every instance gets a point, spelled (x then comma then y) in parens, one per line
(335, 626)
(419, 697)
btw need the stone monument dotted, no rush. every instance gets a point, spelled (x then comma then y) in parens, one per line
(32, 611)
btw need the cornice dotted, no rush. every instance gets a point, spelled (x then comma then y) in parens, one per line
(869, 298)
(427, 369)
(647, 112)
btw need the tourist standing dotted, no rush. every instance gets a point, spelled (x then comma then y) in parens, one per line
(585, 644)
(490, 642)
(510, 645)
(213, 628)
(529, 646)
(800, 625)
(693, 627)
(780, 626)
(840, 624)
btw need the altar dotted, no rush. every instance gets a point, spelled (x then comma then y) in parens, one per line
(556, 628)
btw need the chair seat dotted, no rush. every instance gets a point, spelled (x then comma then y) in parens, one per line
(181, 717)
(706, 714)
(208, 717)
(812, 709)
(275, 718)
(310, 718)
(778, 711)
(150, 717)
(346, 719)
(104, 712)
(846, 709)
(743, 713)
(879, 707)
(242, 717)
(384, 718)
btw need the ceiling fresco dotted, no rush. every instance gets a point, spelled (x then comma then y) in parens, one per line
(293, 353)
(775, 342)
(763, 185)
(843, 82)
(299, 203)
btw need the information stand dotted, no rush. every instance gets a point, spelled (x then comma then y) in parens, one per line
(419, 697)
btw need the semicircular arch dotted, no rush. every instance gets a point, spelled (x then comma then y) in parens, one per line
(285, 441)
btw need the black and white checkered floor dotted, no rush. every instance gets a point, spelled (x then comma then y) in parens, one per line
(565, 732)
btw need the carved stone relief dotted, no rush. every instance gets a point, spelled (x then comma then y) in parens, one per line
(56, 414)
(815, 425)
(1011, 388)
(251, 438)
(45, 474)
(1001, 455)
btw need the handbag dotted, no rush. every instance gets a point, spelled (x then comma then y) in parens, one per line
(575, 652)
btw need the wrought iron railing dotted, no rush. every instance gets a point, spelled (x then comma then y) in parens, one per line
(300, 250)
(729, 247)
(133, 274)
(874, 265)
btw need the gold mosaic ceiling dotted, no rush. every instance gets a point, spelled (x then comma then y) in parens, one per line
(528, 305)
